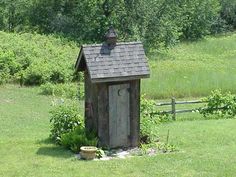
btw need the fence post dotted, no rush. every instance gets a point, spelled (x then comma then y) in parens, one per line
(173, 108)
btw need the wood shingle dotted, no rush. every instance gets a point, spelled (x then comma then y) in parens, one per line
(105, 63)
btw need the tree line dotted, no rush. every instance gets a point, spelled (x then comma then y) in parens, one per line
(158, 23)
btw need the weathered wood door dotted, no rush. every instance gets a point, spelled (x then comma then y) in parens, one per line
(119, 115)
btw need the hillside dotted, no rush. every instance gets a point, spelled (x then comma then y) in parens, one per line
(36, 58)
(193, 69)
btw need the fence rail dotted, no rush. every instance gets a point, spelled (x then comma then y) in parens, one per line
(173, 104)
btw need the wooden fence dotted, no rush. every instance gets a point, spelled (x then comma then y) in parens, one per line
(173, 104)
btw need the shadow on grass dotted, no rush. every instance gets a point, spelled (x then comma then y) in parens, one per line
(49, 149)
(45, 141)
(54, 151)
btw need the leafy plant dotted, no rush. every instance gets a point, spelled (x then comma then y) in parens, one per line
(100, 153)
(77, 138)
(64, 118)
(219, 104)
(8, 66)
(150, 117)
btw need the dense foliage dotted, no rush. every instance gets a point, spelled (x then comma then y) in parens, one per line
(64, 119)
(155, 22)
(35, 59)
(150, 117)
(67, 128)
(77, 138)
(220, 104)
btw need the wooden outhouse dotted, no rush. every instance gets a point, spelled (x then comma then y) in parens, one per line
(112, 73)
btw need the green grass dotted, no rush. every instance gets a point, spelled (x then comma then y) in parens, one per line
(206, 147)
(193, 69)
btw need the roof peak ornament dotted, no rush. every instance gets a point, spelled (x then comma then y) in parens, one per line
(111, 37)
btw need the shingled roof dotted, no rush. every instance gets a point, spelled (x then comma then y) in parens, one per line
(124, 61)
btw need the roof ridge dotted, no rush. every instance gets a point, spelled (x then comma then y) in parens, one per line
(117, 44)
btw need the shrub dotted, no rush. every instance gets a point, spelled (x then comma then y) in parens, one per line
(8, 66)
(78, 137)
(64, 118)
(68, 90)
(198, 17)
(38, 58)
(150, 117)
(228, 9)
(37, 74)
(4, 77)
(60, 72)
(219, 104)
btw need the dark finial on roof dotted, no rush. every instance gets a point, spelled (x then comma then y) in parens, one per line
(111, 37)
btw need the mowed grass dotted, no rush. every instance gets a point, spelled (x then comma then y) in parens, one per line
(205, 147)
(193, 69)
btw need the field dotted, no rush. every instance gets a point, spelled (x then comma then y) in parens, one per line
(205, 147)
(193, 69)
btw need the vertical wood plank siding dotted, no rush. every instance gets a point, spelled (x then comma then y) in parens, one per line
(103, 115)
(119, 115)
(135, 113)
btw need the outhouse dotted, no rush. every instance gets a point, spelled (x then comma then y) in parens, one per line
(112, 73)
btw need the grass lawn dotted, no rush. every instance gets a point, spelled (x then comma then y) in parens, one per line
(206, 147)
(193, 69)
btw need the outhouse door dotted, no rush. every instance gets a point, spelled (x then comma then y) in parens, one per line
(119, 115)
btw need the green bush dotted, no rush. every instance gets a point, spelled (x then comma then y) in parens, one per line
(219, 104)
(36, 59)
(78, 137)
(68, 90)
(150, 117)
(64, 118)
(41, 72)
(228, 13)
(37, 74)
(198, 17)
(8, 66)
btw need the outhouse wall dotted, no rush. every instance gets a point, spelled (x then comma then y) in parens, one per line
(97, 110)
(91, 106)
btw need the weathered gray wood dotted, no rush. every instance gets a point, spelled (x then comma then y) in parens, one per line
(173, 108)
(163, 104)
(180, 102)
(103, 115)
(119, 115)
(88, 103)
(94, 107)
(190, 102)
(134, 113)
(120, 79)
(185, 111)
(178, 111)
(98, 120)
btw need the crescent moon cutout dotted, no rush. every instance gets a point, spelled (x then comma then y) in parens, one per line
(119, 92)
